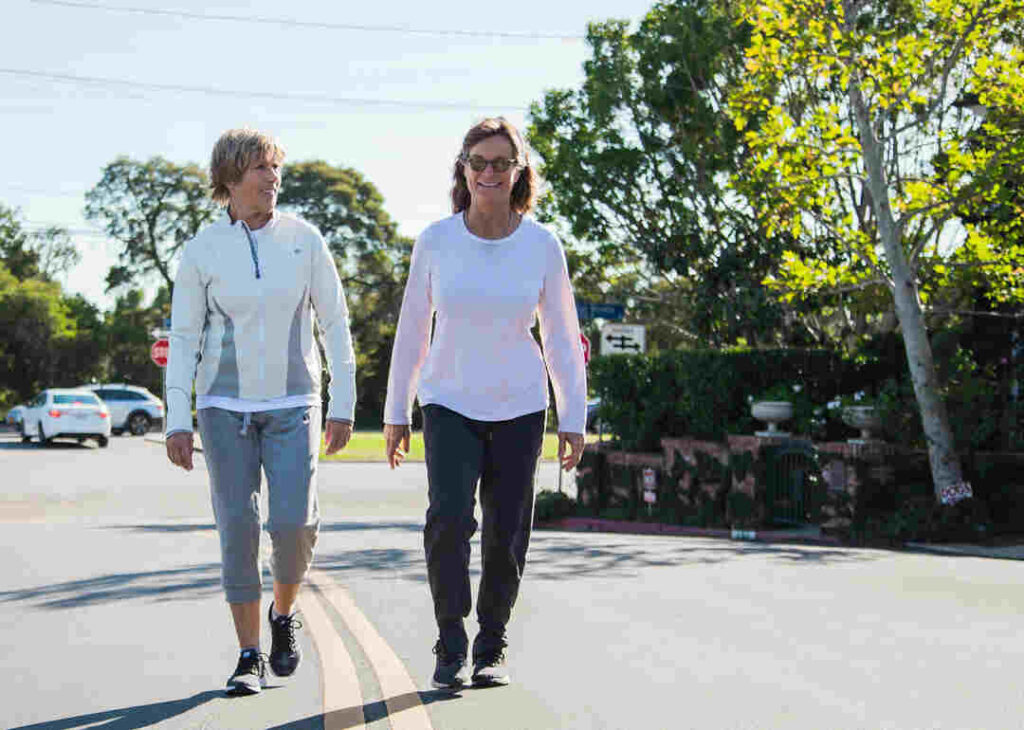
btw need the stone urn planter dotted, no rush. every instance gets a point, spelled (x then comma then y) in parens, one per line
(772, 412)
(863, 418)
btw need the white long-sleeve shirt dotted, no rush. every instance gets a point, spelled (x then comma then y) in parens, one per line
(242, 320)
(483, 361)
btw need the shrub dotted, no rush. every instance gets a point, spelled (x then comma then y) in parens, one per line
(550, 506)
(705, 393)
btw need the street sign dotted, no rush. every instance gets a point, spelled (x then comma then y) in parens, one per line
(158, 352)
(620, 339)
(600, 310)
(585, 346)
(650, 495)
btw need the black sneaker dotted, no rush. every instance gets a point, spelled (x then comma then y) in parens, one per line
(250, 675)
(285, 654)
(450, 671)
(490, 665)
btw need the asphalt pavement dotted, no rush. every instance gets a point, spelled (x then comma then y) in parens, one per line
(113, 617)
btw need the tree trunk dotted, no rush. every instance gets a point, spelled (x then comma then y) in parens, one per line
(945, 463)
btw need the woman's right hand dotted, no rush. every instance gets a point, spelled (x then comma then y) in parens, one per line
(396, 439)
(179, 449)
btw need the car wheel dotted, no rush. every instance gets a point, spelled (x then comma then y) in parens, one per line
(103, 441)
(116, 431)
(25, 438)
(138, 424)
(44, 440)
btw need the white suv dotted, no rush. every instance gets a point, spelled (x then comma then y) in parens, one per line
(132, 408)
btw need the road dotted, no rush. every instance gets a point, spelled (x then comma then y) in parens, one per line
(113, 617)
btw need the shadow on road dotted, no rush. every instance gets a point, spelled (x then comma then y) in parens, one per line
(369, 712)
(561, 557)
(176, 584)
(128, 717)
(409, 564)
(551, 557)
(558, 557)
(324, 527)
(8, 445)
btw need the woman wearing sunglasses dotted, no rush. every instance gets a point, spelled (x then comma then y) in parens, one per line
(487, 273)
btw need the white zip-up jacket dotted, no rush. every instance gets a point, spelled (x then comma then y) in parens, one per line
(242, 318)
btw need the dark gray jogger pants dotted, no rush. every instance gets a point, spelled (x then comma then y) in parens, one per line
(502, 456)
(285, 443)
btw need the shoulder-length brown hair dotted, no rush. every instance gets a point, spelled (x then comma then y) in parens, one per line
(524, 192)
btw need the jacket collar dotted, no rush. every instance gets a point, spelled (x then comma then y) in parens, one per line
(225, 219)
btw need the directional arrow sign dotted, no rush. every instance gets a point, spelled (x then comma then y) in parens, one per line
(619, 339)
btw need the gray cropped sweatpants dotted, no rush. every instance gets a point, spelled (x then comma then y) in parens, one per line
(285, 443)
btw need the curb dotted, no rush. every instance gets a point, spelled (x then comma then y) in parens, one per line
(1009, 552)
(594, 524)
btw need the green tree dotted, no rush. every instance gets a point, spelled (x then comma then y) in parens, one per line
(34, 325)
(151, 208)
(82, 358)
(127, 336)
(372, 260)
(639, 160)
(44, 254)
(854, 114)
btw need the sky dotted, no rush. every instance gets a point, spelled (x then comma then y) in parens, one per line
(387, 88)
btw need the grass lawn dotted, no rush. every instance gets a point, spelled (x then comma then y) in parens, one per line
(369, 446)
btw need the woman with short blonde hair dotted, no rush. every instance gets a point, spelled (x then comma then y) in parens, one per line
(245, 296)
(234, 153)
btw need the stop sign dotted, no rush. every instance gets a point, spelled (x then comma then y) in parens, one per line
(585, 346)
(158, 352)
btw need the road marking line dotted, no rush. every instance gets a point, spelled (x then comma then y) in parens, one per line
(405, 710)
(343, 699)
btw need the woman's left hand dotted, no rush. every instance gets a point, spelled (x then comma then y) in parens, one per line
(337, 435)
(575, 443)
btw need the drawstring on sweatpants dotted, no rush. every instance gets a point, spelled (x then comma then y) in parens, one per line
(246, 417)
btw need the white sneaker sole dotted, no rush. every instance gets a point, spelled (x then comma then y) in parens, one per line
(237, 689)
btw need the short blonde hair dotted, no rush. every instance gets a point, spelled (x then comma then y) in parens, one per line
(234, 152)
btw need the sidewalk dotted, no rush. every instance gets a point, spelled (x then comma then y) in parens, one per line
(809, 535)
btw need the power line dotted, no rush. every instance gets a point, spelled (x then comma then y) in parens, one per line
(212, 91)
(289, 22)
(40, 227)
(48, 192)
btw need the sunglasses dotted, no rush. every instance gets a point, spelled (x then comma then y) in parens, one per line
(498, 164)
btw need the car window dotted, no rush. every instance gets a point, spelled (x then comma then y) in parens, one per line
(132, 395)
(68, 398)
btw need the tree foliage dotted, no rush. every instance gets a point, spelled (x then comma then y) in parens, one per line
(44, 254)
(127, 338)
(372, 260)
(151, 208)
(864, 151)
(34, 327)
(639, 160)
(920, 66)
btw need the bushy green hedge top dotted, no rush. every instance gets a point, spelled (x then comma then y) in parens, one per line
(705, 393)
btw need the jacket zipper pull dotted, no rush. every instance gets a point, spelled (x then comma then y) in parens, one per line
(252, 248)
